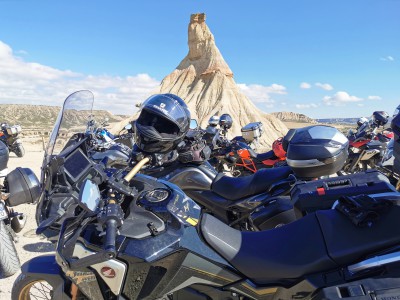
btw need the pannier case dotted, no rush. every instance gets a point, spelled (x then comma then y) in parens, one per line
(23, 186)
(321, 194)
(252, 131)
(315, 151)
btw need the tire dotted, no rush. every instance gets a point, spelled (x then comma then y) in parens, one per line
(25, 286)
(19, 150)
(9, 260)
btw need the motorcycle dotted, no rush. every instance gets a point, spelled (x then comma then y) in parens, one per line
(366, 148)
(131, 236)
(59, 195)
(9, 136)
(256, 202)
(18, 187)
(237, 156)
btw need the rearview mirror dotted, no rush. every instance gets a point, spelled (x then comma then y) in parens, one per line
(128, 126)
(89, 196)
(193, 124)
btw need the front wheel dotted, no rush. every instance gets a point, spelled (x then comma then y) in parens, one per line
(28, 288)
(9, 261)
(19, 150)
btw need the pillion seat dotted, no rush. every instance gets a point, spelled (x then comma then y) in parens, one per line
(318, 242)
(235, 188)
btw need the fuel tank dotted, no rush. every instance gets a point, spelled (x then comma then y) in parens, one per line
(192, 177)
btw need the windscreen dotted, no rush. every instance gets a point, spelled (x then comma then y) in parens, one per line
(73, 118)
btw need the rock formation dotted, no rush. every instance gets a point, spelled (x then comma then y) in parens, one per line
(293, 117)
(205, 81)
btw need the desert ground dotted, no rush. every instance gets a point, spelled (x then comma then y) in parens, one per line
(29, 244)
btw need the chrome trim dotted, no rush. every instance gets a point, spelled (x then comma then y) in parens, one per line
(374, 262)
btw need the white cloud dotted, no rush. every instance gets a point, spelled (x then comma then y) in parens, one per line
(324, 86)
(34, 83)
(374, 98)
(260, 93)
(305, 85)
(340, 98)
(307, 105)
(387, 58)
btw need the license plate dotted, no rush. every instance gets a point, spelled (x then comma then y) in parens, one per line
(3, 212)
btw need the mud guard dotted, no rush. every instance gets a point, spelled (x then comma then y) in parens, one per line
(45, 267)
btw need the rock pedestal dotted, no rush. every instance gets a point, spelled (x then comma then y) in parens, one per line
(204, 80)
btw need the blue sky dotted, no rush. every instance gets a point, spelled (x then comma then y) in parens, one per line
(321, 58)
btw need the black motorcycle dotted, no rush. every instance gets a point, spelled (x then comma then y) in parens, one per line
(131, 236)
(230, 199)
(9, 135)
(18, 187)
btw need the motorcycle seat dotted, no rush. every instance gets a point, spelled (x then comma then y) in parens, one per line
(235, 188)
(318, 242)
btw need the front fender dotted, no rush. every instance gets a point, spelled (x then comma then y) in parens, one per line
(46, 268)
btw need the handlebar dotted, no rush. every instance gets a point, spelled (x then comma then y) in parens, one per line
(110, 237)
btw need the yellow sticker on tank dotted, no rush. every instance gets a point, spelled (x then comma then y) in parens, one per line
(192, 221)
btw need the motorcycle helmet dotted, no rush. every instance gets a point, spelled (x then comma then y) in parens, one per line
(361, 121)
(213, 121)
(163, 122)
(380, 118)
(277, 147)
(225, 121)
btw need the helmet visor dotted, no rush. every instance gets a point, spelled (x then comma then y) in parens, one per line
(170, 109)
(157, 125)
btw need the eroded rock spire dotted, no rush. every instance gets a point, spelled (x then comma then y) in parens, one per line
(205, 81)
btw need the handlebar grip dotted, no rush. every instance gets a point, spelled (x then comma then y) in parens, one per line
(111, 235)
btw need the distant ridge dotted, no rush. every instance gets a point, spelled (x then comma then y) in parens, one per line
(44, 116)
(293, 117)
(338, 120)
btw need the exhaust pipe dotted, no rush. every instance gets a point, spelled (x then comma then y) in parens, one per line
(18, 222)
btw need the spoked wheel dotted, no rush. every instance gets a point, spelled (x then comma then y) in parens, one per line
(28, 288)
